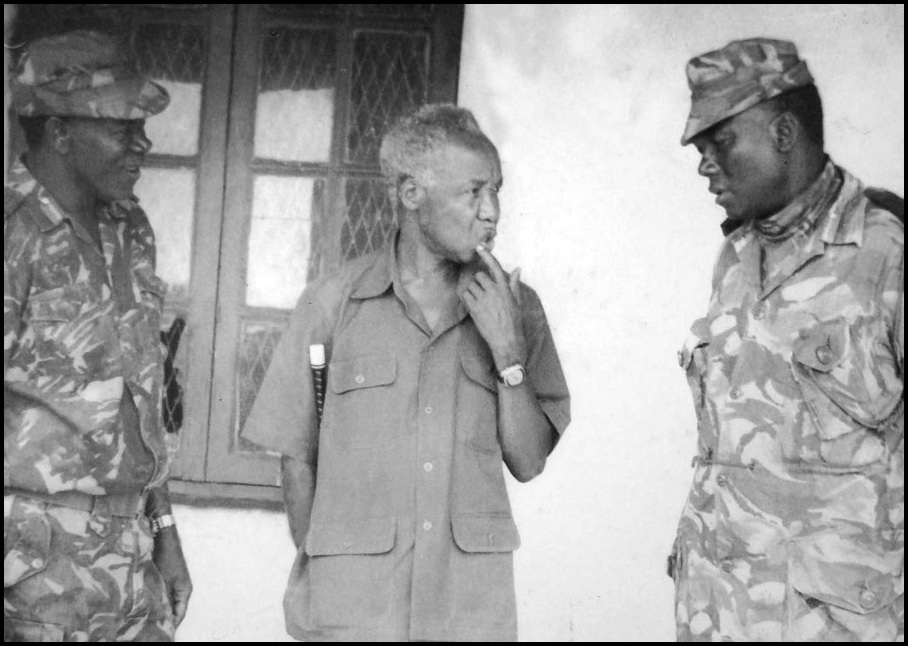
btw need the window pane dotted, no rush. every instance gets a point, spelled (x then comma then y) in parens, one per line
(369, 220)
(279, 239)
(168, 198)
(257, 343)
(295, 108)
(390, 77)
(174, 56)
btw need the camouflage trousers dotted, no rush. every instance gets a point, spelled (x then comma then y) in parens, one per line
(69, 575)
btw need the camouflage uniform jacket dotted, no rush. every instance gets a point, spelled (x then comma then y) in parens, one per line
(797, 375)
(70, 349)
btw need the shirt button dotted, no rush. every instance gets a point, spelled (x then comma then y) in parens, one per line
(728, 565)
(427, 525)
(429, 410)
(722, 480)
(37, 563)
(867, 599)
(759, 310)
(735, 393)
(347, 544)
(427, 466)
(824, 354)
(360, 379)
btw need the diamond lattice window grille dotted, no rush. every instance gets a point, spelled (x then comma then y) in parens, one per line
(396, 10)
(390, 78)
(297, 59)
(257, 344)
(369, 221)
(303, 10)
(174, 52)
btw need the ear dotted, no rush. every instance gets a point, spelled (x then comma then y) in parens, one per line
(786, 130)
(412, 194)
(58, 135)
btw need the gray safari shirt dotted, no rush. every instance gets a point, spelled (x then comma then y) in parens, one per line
(411, 534)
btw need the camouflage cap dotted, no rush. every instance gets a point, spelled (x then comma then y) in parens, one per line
(730, 80)
(83, 74)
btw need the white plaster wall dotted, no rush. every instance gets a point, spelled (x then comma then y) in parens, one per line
(607, 217)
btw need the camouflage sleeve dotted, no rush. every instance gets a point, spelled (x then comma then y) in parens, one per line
(899, 325)
(158, 503)
(16, 281)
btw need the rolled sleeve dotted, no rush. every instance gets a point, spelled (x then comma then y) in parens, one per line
(544, 366)
(283, 416)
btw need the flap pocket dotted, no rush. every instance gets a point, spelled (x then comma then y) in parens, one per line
(27, 542)
(19, 630)
(485, 533)
(362, 372)
(863, 583)
(370, 536)
(480, 371)
(823, 347)
(60, 304)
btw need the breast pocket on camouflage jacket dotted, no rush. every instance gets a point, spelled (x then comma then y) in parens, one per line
(73, 332)
(850, 397)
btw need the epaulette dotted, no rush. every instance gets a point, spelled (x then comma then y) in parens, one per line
(887, 200)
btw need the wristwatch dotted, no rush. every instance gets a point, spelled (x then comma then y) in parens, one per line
(158, 523)
(512, 375)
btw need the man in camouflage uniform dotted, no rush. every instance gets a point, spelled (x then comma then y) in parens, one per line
(793, 529)
(85, 458)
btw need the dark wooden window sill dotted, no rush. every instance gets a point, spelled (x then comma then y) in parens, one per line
(231, 496)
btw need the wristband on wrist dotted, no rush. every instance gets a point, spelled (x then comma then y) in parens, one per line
(159, 523)
(512, 375)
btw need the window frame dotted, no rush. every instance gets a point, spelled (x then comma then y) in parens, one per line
(230, 80)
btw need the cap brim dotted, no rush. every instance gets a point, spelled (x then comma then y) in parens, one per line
(133, 98)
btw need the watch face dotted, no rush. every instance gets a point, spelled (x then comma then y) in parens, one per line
(514, 377)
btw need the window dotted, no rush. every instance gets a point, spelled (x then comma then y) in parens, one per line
(264, 175)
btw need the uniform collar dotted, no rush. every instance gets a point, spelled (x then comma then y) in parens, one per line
(840, 221)
(803, 211)
(50, 214)
(384, 274)
(844, 223)
(379, 275)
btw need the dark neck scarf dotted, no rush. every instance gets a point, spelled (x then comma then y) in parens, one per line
(804, 211)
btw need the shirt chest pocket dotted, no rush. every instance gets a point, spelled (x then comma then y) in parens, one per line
(846, 394)
(73, 331)
(362, 410)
